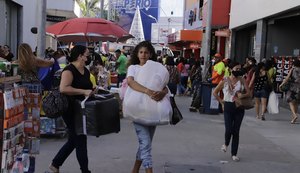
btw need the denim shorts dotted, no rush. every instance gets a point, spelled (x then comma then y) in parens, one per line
(261, 94)
(145, 135)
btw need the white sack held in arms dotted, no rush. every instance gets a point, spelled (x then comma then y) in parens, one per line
(138, 106)
(273, 103)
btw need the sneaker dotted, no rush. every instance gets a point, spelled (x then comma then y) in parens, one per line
(53, 169)
(263, 118)
(224, 148)
(235, 158)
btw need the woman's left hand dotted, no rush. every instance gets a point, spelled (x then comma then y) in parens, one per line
(158, 95)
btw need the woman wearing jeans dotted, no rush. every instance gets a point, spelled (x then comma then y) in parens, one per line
(233, 116)
(143, 52)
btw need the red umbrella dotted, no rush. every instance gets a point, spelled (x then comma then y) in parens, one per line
(87, 30)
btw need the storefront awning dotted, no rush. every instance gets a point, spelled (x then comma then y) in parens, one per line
(186, 38)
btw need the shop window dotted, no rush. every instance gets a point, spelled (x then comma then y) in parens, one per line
(252, 44)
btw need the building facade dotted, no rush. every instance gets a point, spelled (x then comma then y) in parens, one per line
(264, 29)
(18, 17)
(220, 35)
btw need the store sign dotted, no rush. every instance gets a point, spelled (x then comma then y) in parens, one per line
(195, 46)
(283, 66)
(223, 33)
(55, 18)
(125, 11)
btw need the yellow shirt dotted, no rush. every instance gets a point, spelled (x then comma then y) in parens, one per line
(93, 80)
(227, 73)
(218, 72)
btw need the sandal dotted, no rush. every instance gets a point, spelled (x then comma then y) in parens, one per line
(224, 148)
(294, 120)
(53, 169)
(235, 158)
(263, 117)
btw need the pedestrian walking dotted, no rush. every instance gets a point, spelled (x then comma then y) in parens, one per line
(121, 66)
(143, 52)
(232, 87)
(293, 93)
(76, 84)
(196, 87)
(174, 78)
(262, 89)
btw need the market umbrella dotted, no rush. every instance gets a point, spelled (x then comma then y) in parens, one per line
(87, 30)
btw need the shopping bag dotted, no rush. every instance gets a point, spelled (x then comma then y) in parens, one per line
(97, 116)
(176, 116)
(142, 109)
(273, 103)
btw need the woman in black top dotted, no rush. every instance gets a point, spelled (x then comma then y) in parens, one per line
(76, 84)
(261, 91)
(8, 55)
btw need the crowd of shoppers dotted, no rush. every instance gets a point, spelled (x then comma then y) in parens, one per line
(233, 80)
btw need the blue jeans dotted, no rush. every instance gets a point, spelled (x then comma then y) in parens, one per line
(233, 118)
(145, 135)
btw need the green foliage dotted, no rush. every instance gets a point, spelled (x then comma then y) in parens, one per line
(90, 8)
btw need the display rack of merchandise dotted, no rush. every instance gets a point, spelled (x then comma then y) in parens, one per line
(20, 118)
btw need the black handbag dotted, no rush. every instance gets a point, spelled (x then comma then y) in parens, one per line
(176, 116)
(55, 104)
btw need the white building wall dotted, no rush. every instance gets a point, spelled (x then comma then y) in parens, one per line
(165, 28)
(247, 11)
(28, 20)
(66, 5)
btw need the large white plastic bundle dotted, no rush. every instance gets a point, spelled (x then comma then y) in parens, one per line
(138, 106)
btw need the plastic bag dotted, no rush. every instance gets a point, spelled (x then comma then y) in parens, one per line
(138, 106)
(123, 89)
(273, 103)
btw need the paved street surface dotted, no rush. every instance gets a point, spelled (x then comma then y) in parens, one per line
(192, 146)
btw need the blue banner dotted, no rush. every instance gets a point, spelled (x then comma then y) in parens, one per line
(125, 11)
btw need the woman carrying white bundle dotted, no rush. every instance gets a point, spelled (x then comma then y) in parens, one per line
(145, 86)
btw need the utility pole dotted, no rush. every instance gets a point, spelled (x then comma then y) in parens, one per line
(207, 37)
(41, 41)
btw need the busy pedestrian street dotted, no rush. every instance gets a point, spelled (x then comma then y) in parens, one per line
(193, 145)
(149, 86)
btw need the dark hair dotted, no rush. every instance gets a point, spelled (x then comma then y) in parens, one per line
(258, 68)
(6, 46)
(134, 56)
(296, 63)
(253, 60)
(76, 52)
(269, 64)
(233, 64)
(170, 61)
(118, 51)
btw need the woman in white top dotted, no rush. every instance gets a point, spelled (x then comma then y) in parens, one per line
(143, 52)
(233, 116)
